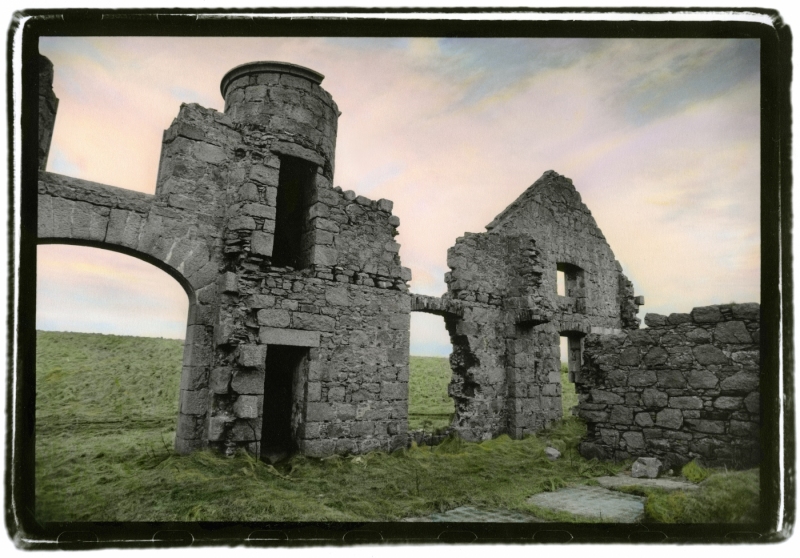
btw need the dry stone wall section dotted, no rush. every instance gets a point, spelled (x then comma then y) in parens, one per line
(686, 387)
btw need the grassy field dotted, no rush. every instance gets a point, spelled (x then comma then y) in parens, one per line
(106, 409)
(429, 406)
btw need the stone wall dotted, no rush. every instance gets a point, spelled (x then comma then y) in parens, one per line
(684, 388)
(505, 360)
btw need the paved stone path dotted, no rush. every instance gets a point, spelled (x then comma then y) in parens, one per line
(467, 514)
(624, 479)
(593, 502)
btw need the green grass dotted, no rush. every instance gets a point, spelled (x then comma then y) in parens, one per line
(429, 406)
(569, 397)
(106, 411)
(723, 497)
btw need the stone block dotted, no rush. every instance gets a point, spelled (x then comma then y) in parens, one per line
(676, 319)
(246, 430)
(646, 467)
(194, 377)
(241, 223)
(209, 153)
(747, 311)
(621, 415)
(394, 390)
(685, 402)
(320, 412)
(732, 332)
(216, 428)
(248, 406)
(753, 402)
(634, 441)
(629, 357)
(702, 379)
(602, 396)
(325, 256)
(728, 403)
(317, 448)
(654, 398)
(641, 378)
(740, 382)
(261, 243)
(643, 419)
(669, 418)
(229, 282)
(249, 382)
(261, 301)
(252, 356)
(656, 356)
(219, 379)
(264, 175)
(385, 205)
(316, 322)
(274, 317)
(706, 426)
(706, 314)
(698, 335)
(338, 296)
(655, 320)
(194, 402)
(744, 429)
(671, 379)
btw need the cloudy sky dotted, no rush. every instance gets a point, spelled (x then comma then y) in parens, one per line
(661, 138)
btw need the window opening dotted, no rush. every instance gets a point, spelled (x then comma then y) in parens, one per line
(561, 288)
(295, 185)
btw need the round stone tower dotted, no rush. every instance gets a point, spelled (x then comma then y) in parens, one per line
(282, 107)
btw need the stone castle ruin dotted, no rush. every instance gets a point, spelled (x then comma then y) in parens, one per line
(299, 309)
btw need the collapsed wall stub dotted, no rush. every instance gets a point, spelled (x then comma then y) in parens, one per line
(685, 388)
(505, 360)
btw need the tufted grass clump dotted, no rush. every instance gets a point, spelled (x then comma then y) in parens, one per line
(724, 497)
(694, 472)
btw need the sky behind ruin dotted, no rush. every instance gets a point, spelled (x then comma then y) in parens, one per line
(660, 137)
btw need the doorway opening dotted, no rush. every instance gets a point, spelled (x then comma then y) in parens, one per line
(430, 407)
(281, 414)
(570, 351)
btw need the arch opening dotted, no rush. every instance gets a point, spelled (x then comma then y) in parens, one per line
(110, 345)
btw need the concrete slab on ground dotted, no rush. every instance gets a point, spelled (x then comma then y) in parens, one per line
(467, 514)
(593, 502)
(626, 480)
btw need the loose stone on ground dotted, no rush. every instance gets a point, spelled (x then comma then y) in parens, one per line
(625, 480)
(593, 502)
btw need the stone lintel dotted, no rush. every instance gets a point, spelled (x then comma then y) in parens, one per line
(294, 150)
(293, 337)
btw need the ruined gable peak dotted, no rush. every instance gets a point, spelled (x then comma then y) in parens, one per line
(552, 191)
